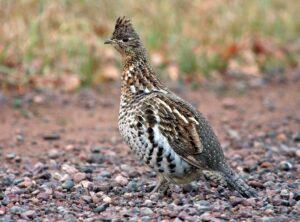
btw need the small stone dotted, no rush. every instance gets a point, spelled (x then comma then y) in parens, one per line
(266, 165)
(44, 176)
(29, 214)
(285, 203)
(26, 183)
(183, 215)
(285, 194)
(68, 184)
(187, 188)
(101, 208)
(95, 199)
(57, 176)
(145, 211)
(233, 134)
(132, 186)
(96, 149)
(95, 158)
(202, 208)
(54, 153)
(70, 217)
(148, 203)
(16, 210)
(51, 136)
(43, 196)
(254, 183)
(208, 216)
(87, 184)
(87, 198)
(86, 169)
(121, 180)
(69, 169)
(229, 103)
(107, 199)
(281, 137)
(105, 186)
(298, 153)
(268, 212)
(10, 156)
(69, 147)
(20, 138)
(78, 177)
(235, 201)
(285, 165)
(62, 210)
(297, 195)
(105, 173)
(296, 137)
(2, 210)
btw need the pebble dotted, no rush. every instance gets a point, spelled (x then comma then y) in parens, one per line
(44, 176)
(78, 177)
(107, 199)
(105, 186)
(297, 195)
(54, 153)
(10, 156)
(233, 134)
(285, 194)
(87, 198)
(285, 165)
(254, 183)
(202, 206)
(121, 180)
(68, 184)
(96, 149)
(69, 169)
(229, 103)
(62, 210)
(105, 173)
(16, 210)
(95, 158)
(101, 208)
(87, 184)
(148, 203)
(132, 186)
(2, 210)
(51, 136)
(43, 196)
(296, 137)
(31, 214)
(208, 216)
(146, 211)
(86, 169)
(94, 197)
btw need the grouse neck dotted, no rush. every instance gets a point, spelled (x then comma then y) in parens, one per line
(138, 77)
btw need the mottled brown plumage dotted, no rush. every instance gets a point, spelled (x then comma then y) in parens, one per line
(163, 130)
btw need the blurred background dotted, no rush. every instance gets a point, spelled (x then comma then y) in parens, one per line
(59, 44)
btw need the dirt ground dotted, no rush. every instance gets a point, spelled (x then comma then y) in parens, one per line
(62, 158)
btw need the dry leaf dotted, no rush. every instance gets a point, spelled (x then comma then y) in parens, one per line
(71, 83)
(157, 58)
(173, 72)
(110, 72)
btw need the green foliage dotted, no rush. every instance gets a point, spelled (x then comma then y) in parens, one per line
(187, 60)
(63, 37)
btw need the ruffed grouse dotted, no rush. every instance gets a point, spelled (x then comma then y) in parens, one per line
(163, 130)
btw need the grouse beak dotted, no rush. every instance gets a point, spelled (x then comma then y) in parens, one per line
(108, 41)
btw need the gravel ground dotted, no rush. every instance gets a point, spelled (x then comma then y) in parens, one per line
(62, 159)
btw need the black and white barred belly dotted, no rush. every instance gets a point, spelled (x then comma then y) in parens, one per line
(151, 146)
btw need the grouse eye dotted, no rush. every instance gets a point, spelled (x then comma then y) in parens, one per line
(125, 40)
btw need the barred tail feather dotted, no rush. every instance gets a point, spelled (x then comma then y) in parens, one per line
(237, 182)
